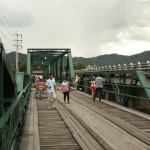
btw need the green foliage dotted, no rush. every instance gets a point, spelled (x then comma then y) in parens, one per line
(79, 65)
(22, 67)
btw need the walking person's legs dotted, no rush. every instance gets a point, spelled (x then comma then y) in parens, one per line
(53, 99)
(64, 96)
(95, 94)
(67, 96)
(50, 99)
(100, 94)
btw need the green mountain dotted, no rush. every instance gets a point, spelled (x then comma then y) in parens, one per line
(111, 59)
(114, 59)
(12, 57)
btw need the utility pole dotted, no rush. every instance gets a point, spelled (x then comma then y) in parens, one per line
(18, 42)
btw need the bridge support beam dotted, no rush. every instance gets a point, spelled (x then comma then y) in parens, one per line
(1, 81)
(28, 63)
(62, 70)
(71, 66)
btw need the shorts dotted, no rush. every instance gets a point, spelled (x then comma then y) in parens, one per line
(92, 88)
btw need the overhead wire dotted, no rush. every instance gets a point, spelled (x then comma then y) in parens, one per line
(7, 29)
(6, 36)
(10, 27)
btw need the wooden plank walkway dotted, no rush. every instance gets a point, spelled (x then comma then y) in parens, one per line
(100, 127)
(135, 118)
(30, 137)
(53, 131)
(83, 124)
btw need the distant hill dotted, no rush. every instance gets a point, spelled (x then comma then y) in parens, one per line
(12, 57)
(114, 59)
(111, 59)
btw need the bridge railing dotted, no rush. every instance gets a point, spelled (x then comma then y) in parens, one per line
(85, 87)
(121, 86)
(12, 120)
(131, 66)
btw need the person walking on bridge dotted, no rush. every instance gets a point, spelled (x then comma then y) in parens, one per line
(51, 88)
(66, 89)
(92, 86)
(99, 86)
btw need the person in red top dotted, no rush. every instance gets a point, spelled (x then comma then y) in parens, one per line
(41, 84)
(92, 86)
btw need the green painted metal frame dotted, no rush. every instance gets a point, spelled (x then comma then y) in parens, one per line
(54, 58)
(122, 90)
(13, 119)
(7, 81)
(12, 110)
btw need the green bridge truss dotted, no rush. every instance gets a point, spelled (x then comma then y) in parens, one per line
(123, 84)
(56, 61)
(13, 100)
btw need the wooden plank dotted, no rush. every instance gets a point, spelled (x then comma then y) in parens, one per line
(80, 130)
(144, 115)
(54, 133)
(96, 136)
(76, 108)
(30, 138)
(35, 127)
(119, 122)
(73, 131)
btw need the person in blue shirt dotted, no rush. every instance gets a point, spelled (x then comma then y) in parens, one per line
(51, 88)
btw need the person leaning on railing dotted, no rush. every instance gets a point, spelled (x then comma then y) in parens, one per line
(92, 86)
(99, 86)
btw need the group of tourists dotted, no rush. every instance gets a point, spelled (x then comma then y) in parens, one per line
(96, 87)
(51, 90)
(50, 85)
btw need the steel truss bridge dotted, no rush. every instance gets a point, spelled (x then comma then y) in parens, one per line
(123, 81)
(15, 89)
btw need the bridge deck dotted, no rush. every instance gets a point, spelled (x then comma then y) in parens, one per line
(93, 125)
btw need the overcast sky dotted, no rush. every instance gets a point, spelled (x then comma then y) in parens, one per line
(89, 27)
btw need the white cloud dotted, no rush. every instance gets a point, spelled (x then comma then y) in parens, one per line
(88, 27)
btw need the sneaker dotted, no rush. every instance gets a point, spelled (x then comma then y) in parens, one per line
(53, 106)
(49, 107)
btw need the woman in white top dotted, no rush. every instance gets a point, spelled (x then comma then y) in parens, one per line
(66, 89)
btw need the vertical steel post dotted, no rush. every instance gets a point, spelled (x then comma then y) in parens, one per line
(1, 80)
(67, 68)
(62, 71)
(71, 66)
(58, 69)
(28, 63)
(49, 69)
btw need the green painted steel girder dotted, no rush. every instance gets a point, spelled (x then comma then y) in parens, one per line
(144, 82)
(52, 59)
(135, 75)
(6, 81)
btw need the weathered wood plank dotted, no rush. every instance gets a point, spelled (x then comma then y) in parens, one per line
(85, 140)
(54, 133)
(102, 127)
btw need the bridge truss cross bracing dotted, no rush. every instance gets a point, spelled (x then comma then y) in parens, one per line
(51, 60)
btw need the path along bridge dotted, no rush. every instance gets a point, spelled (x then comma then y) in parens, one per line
(27, 123)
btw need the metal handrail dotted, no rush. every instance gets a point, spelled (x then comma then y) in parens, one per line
(13, 119)
(119, 93)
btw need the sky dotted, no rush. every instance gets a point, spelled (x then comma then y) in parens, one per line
(89, 27)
